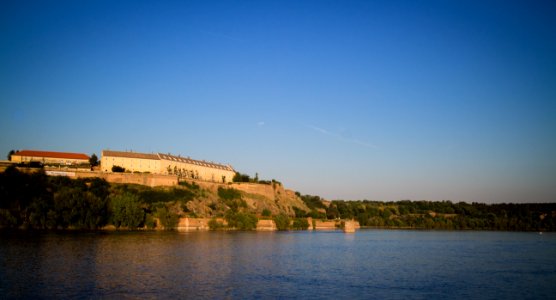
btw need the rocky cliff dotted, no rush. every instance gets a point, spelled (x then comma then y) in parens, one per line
(257, 198)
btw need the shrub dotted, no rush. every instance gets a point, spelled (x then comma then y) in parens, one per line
(126, 210)
(282, 222)
(228, 194)
(117, 169)
(214, 224)
(167, 218)
(299, 213)
(238, 177)
(232, 198)
(192, 186)
(150, 221)
(300, 224)
(241, 221)
(266, 212)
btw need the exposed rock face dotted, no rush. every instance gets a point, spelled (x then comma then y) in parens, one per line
(272, 197)
(258, 197)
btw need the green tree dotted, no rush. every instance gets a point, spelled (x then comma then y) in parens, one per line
(167, 218)
(93, 160)
(12, 152)
(238, 177)
(282, 222)
(266, 212)
(300, 224)
(214, 224)
(126, 210)
(117, 169)
(232, 198)
(228, 194)
(241, 221)
(76, 207)
(299, 213)
(332, 212)
(99, 187)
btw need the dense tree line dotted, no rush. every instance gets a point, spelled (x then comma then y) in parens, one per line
(35, 200)
(447, 215)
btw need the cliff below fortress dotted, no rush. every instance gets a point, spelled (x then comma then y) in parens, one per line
(257, 197)
(204, 199)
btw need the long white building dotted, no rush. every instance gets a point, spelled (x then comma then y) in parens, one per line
(160, 163)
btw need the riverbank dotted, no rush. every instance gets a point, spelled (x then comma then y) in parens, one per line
(37, 200)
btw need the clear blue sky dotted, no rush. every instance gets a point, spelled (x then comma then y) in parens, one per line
(378, 100)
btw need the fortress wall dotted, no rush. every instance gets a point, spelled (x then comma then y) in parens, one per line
(255, 188)
(193, 224)
(143, 179)
(266, 225)
(131, 164)
(335, 224)
(325, 225)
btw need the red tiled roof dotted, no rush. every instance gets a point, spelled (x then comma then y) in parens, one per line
(51, 154)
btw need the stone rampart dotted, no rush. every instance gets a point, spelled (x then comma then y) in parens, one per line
(266, 225)
(348, 225)
(326, 225)
(193, 224)
(151, 180)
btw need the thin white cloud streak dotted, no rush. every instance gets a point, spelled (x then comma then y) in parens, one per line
(341, 138)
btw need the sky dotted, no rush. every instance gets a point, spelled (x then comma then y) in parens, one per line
(377, 100)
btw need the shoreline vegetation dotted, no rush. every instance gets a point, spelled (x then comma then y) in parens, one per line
(35, 201)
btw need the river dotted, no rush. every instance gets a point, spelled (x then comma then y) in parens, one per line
(370, 264)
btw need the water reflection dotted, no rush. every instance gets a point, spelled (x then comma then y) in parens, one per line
(374, 263)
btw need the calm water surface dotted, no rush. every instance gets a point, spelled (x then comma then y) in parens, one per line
(368, 264)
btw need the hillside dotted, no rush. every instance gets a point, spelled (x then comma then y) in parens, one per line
(209, 202)
(35, 200)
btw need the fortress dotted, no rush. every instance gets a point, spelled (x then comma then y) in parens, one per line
(166, 164)
(130, 162)
(50, 157)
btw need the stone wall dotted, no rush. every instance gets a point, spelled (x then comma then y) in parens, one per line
(350, 225)
(266, 225)
(151, 180)
(193, 224)
(325, 225)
